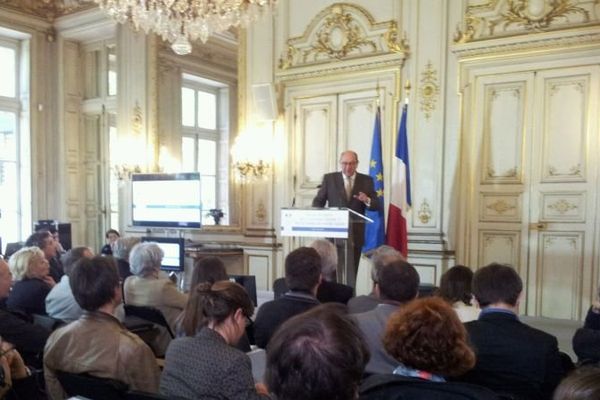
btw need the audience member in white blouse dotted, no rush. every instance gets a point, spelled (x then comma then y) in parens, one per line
(455, 288)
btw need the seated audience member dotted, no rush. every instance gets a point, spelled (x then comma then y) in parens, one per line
(397, 284)
(121, 249)
(586, 341)
(30, 271)
(319, 354)
(512, 357)
(60, 302)
(582, 384)
(17, 381)
(329, 290)
(429, 344)
(381, 256)
(97, 343)
(206, 365)
(302, 276)
(111, 237)
(29, 339)
(455, 288)
(147, 288)
(49, 246)
(207, 270)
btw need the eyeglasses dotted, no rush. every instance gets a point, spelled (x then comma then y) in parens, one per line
(349, 163)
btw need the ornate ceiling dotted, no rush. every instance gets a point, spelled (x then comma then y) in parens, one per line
(47, 9)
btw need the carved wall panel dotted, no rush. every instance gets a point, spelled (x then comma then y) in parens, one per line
(565, 116)
(316, 122)
(492, 19)
(499, 246)
(560, 267)
(341, 31)
(261, 267)
(503, 129)
(355, 130)
(427, 272)
(500, 207)
(563, 206)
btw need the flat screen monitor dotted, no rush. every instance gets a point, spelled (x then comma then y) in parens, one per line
(174, 249)
(166, 200)
(249, 283)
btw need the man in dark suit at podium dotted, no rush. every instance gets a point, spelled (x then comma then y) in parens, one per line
(355, 191)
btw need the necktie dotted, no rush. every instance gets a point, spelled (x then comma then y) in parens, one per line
(348, 187)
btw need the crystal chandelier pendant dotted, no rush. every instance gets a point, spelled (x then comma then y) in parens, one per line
(183, 21)
(181, 46)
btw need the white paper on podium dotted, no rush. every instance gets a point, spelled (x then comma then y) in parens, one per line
(327, 222)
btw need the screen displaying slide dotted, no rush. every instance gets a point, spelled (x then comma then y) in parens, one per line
(171, 260)
(167, 202)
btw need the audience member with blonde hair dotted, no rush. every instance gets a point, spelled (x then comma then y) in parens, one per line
(207, 365)
(33, 282)
(430, 344)
(148, 288)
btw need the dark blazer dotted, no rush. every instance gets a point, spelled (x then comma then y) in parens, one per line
(586, 341)
(274, 313)
(333, 194)
(29, 296)
(513, 358)
(28, 338)
(394, 387)
(328, 292)
(206, 367)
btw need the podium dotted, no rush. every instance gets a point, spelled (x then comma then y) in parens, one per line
(324, 222)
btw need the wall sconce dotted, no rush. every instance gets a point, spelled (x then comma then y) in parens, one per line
(251, 170)
(123, 171)
(252, 155)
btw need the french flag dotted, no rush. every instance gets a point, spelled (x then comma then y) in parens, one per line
(400, 201)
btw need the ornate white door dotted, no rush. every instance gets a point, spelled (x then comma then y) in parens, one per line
(534, 148)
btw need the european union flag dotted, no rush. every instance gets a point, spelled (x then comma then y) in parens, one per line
(375, 231)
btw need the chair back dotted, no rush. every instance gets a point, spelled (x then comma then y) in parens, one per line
(148, 313)
(91, 387)
(47, 322)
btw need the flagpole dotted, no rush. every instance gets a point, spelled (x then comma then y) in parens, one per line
(407, 91)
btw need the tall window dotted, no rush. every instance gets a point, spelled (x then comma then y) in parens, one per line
(205, 133)
(15, 194)
(99, 105)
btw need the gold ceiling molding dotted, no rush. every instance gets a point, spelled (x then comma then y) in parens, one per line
(517, 17)
(339, 32)
(47, 9)
(429, 90)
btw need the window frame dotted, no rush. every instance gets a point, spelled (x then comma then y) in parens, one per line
(15, 106)
(196, 133)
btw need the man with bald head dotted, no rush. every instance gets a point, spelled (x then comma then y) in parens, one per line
(29, 339)
(350, 189)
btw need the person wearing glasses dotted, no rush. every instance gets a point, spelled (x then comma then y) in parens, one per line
(351, 189)
(207, 365)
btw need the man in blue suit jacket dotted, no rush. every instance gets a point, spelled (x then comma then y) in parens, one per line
(512, 358)
(355, 191)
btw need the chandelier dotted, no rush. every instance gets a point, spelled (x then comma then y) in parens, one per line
(184, 21)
